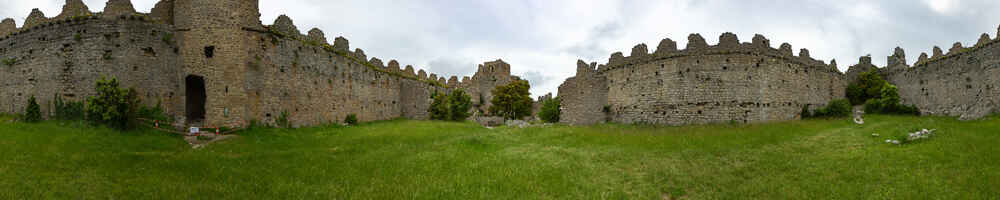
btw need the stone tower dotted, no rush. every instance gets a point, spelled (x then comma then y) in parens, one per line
(212, 40)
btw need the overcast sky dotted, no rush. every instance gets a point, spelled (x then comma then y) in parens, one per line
(543, 39)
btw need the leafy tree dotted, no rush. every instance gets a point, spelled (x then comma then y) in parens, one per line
(889, 103)
(868, 86)
(550, 110)
(836, 108)
(439, 106)
(113, 106)
(33, 112)
(512, 101)
(459, 104)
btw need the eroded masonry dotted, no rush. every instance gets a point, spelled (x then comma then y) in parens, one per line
(753, 82)
(214, 63)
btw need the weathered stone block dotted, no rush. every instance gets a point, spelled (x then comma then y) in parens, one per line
(317, 36)
(785, 49)
(695, 41)
(640, 50)
(115, 8)
(73, 8)
(729, 40)
(666, 46)
(760, 41)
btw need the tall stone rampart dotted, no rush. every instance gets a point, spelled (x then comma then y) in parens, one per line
(962, 83)
(728, 82)
(66, 57)
(246, 71)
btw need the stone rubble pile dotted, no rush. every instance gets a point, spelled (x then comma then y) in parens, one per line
(919, 135)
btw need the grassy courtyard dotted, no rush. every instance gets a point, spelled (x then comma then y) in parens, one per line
(824, 159)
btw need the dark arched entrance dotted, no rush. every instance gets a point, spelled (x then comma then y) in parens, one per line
(195, 88)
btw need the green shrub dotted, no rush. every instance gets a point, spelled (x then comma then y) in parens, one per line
(282, 120)
(155, 113)
(888, 103)
(450, 107)
(836, 108)
(512, 101)
(168, 38)
(459, 104)
(351, 119)
(9, 61)
(439, 106)
(867, 86)
(113, 106)
(550, 110)
(68, 110)
(33, 112)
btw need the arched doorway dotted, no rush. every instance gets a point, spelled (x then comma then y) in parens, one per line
(196, 97)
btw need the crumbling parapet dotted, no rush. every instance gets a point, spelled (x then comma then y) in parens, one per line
(759, 41)
(341, 44)
(897, 60)
(422, 75)
(285, 25)
(955, 48)
(409, 71)
(584, 69)
(360, 54)
(640, 50)
(433, 77)
(115, 8)
(937, 53)
(804, 54)
(34, 19)
(317, 36)
(729, 40)
(984, 39)
(453, 82)
(393, 66)
(785, 49)
(73, 8)
(616, 59)
(163, 12)
(7, 26)
(833, 65)
(922, 58)
(666, 46)
(376, 62)
(695, 41)
(442, 81)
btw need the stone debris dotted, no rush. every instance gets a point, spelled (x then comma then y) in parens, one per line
(517, 123)
(922, 134)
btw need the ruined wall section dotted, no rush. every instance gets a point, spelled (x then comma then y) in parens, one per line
(961, 83)
(318, 83)
(66, 57)
(488, 76)
(584, 96)
(728, 82)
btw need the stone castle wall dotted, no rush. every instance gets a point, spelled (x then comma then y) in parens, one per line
(728, 82)
(66, 57)
(962, 82)
(254, 72)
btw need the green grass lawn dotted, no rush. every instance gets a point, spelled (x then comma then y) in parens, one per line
(825, 159)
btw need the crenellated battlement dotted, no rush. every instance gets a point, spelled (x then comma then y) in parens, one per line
(729, 44)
